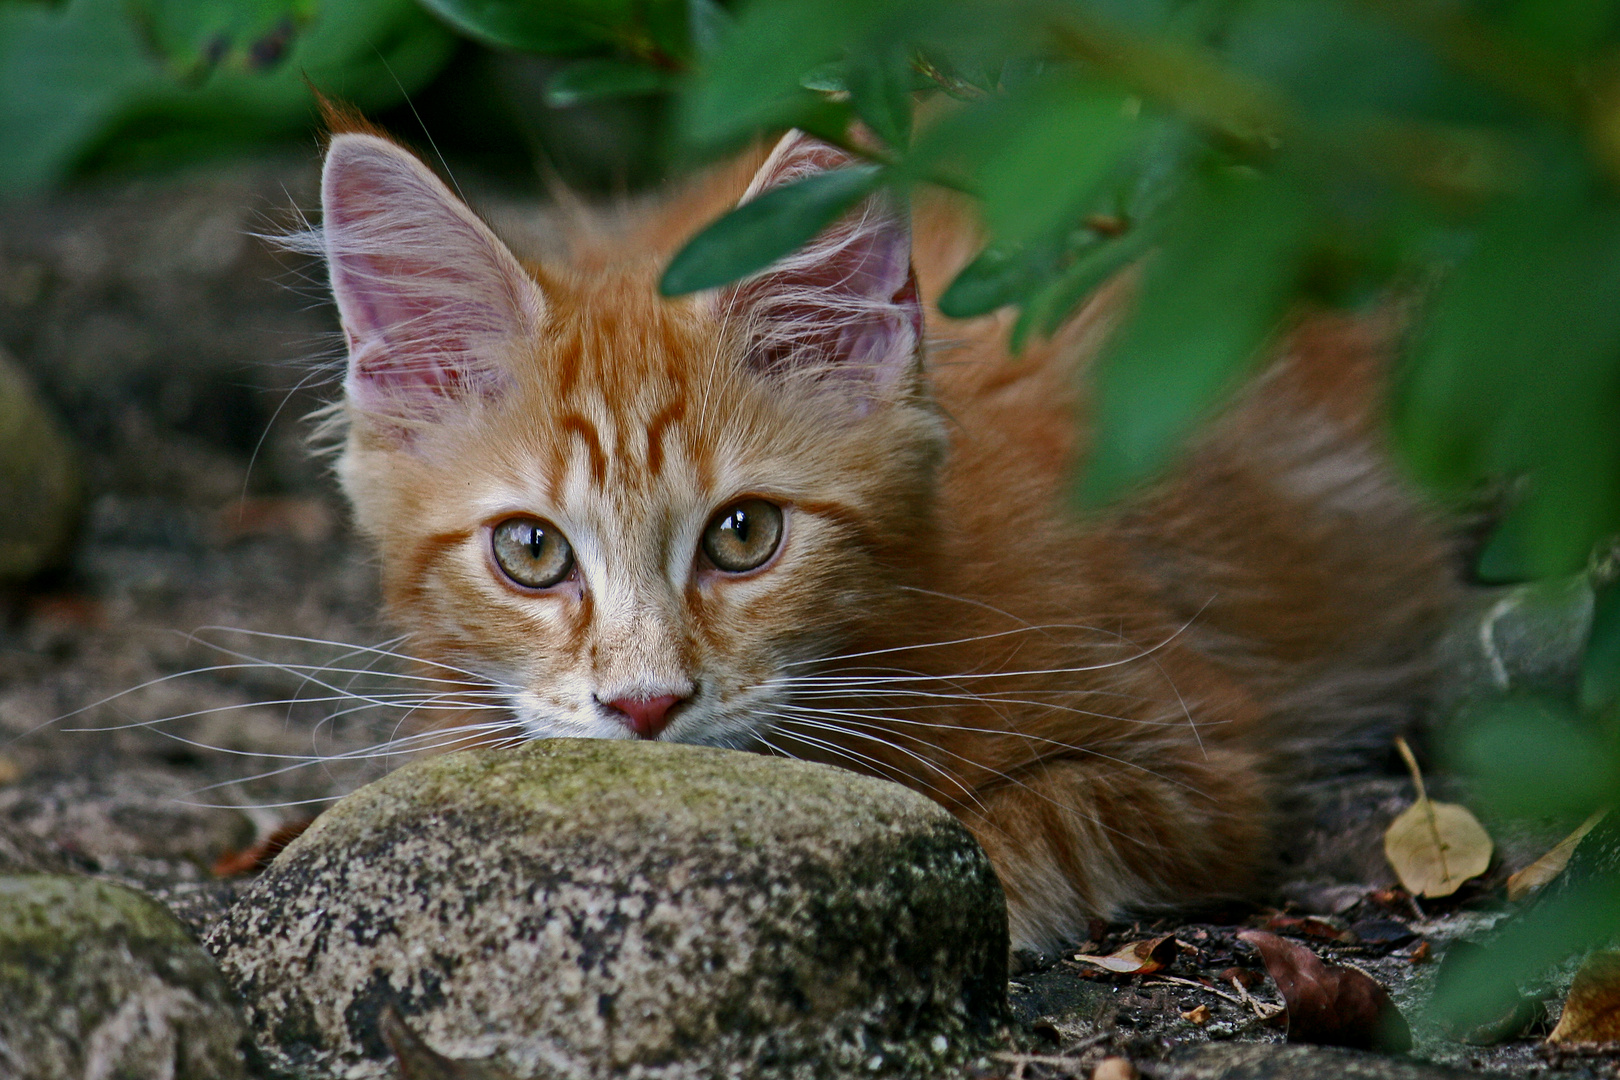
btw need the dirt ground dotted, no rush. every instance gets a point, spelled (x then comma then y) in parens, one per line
(161, 695)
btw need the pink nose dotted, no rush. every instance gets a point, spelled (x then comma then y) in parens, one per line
(648, 716)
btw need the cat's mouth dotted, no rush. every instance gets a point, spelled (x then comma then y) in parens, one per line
(647, 715)
(694, 717)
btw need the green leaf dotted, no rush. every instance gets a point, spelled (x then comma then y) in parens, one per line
(80, 85)
(1210, 298)
(1505, 558)
(1517, 374)
(550, 26)
(753, 78)
(1048, 309)
(1037, 156)
(1533, 757)
(196, 36)
(880, 91)
(996, 277)
(1338, 61)
(598, 78)
(707, 24)
(829, 78)
(1571, 921)
(1600, 668)
(1572, 26)
(752, 81)
(760, 231)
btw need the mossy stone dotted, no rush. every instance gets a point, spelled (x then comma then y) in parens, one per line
(100, 980)
(593, 908)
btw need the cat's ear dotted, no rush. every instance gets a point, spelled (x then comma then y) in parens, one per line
(432, 303)
(843, 309)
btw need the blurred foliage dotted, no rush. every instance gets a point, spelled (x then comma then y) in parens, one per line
(138, 82)
(1457, 157)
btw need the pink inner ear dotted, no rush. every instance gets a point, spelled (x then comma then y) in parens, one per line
(431, 301)
(845, 306)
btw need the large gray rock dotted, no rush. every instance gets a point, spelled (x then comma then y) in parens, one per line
(97, 980)
(590, 909)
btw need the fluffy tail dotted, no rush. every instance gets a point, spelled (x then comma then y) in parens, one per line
(1303, 562)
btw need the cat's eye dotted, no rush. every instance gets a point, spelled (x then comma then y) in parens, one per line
(531, 552)
(743, 535)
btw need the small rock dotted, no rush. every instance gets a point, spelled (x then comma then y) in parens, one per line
(99, 980)
(40, 484)
(1517, 638)
(592, 909)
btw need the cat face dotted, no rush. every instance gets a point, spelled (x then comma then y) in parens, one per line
(612, 515)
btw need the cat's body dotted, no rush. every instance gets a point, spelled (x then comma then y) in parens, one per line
(770, 518)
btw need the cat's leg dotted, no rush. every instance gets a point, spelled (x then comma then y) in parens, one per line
(1076, 839)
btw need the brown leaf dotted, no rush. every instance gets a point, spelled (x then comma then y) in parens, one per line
(252, 859)
(1327, 1004)
(1198, 1015)
(1434, 846)
(1550, 865)
(1592, 1009)
(1137, 958)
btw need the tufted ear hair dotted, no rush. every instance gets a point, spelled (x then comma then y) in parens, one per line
(842, 310)
(432, 303)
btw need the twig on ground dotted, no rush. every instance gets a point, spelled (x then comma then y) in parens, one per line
(1068, 1059)
(1200, 986)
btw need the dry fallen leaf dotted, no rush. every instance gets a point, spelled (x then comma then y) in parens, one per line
(1550, 865)
(1592, 1009)
(1137, 958)
(1327, 1004)
(1434, 846)
(1198, 1015)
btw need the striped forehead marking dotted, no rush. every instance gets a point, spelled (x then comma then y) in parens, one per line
(671, 414)
(577, 424)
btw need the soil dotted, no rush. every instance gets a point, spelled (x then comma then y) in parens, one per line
(161, 695)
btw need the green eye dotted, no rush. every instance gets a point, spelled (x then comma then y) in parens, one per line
(531, 552)
(743, 535)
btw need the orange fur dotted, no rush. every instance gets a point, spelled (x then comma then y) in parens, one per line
(1113, 706)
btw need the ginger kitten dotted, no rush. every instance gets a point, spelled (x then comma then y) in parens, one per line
(808, 515)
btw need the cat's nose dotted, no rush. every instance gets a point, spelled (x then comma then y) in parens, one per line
(647, 716)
